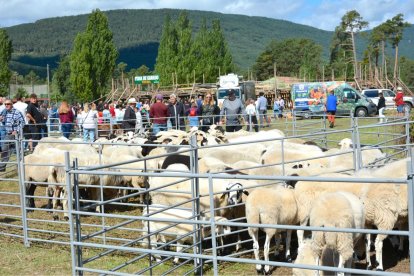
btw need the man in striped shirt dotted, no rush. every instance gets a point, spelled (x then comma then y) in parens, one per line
(13, 122)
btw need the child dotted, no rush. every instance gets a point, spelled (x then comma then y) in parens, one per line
(193, 116)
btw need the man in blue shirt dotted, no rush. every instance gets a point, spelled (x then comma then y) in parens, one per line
(13, 122)
(331, 103)
(262, 108)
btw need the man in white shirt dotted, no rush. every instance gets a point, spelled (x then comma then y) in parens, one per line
(22, 107)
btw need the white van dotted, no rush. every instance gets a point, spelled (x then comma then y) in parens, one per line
(389, 96)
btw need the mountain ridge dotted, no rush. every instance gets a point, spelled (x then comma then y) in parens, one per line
(137, 33)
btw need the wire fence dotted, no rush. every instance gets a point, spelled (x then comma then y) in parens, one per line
(197, 231)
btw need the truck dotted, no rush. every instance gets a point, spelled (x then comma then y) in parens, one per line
(309, 99)
(243, 89)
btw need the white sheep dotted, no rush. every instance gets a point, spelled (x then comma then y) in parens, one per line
(307, 256)
(270, 206)
(384, 203)
(167, 231)
(337, 210)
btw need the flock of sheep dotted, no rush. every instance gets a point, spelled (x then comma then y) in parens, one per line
(337, 204)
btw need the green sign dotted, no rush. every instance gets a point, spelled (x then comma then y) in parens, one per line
(147, 79)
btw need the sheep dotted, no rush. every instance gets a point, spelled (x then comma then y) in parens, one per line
(176, 190)
(337, 210)
(165, 230)
(307, 256)
(122, 150)
(270, 206)
(384, 203)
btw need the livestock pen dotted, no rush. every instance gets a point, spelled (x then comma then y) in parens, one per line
(120, 228)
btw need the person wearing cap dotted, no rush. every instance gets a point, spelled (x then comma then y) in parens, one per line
(176, 113)
(399, 101)
(130, 118)
(232, 110)
(381, 107)
(158, 115)
(13, 122)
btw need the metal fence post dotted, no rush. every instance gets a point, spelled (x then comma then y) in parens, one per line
(68, 187)
(410, 189)
(353, 137)
(325, 136)
(213, 225)
(77, 216)
(22, 187)
(195, 192)
(407, 134)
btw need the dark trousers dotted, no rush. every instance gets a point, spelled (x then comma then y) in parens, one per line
(66, 129)
(252, 123)
(6, 148)
(233, 128)
(34, 134)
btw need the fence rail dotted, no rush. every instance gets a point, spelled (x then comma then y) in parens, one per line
(121, 229)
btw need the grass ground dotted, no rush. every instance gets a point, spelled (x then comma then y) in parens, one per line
(51, 259)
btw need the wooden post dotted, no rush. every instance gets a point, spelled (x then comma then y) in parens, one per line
(333, 75)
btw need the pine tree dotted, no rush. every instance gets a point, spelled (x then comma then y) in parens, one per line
(200, 52)
(396, 26)
(184, 41)
(166, 63)
(93, 58)
(6, 50)
(222, 55)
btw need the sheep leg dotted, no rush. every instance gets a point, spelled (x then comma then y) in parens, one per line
(49, 194)
(179, 248)
(266, 253)
(238, 244)
(65, 204)
(367, 249)
(378, 251)
(254, 233)
(277, 244)
(287, 246)
(56, 194)
(341, 264)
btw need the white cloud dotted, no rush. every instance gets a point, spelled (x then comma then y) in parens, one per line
(324, 14)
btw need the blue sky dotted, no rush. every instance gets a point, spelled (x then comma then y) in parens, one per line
(323, 14)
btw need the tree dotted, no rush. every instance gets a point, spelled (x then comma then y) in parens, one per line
(291, 56)
(92, 60)
(6, 50)
(395, 28)
(61, 77)
(219, 49)
(352, 23)
(167, 53)
(185, 62)
(377, 42)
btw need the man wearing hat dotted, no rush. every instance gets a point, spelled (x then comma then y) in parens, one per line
(130, 119)
(158, 115)
(232, 110)
(399, 101)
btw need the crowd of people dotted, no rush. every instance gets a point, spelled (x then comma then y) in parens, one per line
(33, 120)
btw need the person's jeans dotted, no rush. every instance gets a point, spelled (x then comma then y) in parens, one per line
(263, 116)
(158, 127)
(6, 149)
(66, 129)
(2, 136)
(89, 134)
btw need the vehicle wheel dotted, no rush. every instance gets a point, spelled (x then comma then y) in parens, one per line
(407, 107)
(361, 112)
(307, 115)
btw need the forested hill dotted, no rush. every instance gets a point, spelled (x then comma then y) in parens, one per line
(137, 33)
